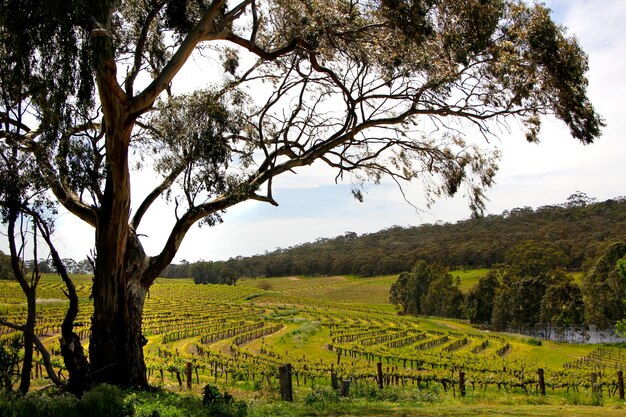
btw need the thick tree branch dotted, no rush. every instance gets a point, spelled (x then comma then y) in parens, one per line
(66, 197)
(158, 263)
(267, 55)
(205, 30)
(5, 119)
(45, 356)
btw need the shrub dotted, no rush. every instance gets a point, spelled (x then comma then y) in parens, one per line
(105, 401)
(38, 404)
(9, 359)
(222, 405)
(159, 403)
(265, 285)
(322, 395)
(534, 342)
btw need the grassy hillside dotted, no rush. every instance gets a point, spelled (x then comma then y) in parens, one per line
(237, 336)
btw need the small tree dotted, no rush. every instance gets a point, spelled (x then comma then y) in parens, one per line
(604, 287)
(9, 360)
(28, 214)
(411, 287)
(443, 298)
(403, 293)
(562, 304)
(481, 298)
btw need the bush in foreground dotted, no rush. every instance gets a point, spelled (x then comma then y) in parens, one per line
(110, 401)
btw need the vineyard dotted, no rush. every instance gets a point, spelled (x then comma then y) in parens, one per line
(330, 330)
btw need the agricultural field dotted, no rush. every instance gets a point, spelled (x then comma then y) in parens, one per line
(337, 329)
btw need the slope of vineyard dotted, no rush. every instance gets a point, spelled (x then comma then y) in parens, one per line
(341, 326)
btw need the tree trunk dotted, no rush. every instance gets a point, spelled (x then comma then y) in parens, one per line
(116, 344)
(71, 348)
(29, 331)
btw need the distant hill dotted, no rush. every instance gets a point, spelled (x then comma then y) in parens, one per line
(580, 227)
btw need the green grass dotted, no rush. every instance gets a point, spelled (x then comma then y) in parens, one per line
(469, 278)
(408, 402)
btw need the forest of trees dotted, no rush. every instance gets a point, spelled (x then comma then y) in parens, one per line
(529, 292)
(579, 228)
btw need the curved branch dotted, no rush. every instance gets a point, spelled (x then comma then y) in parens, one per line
(147, 202)
(11, 325)
(5, 119)
(45, 356)
(141, 43)
(66, 197)
(157, 263)
(262, 53)
(71, 348)
(201, 32)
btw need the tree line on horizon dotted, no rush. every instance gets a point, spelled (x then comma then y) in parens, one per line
(580, 228)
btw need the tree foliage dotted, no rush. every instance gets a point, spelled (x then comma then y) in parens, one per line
(92, 89)
(621, 266)
(562, 304)
(212, 273)
(532, 259)
(526, 295)
(412, 291)
(5, 266)
(604, 287)
(443, 298)
(481, 298)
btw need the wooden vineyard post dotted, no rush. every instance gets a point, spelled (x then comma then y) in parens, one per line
(594, 385)
(379, 369)
(344, 389)
(542, 382)
(286, 388)
(188, 375)
(620, 383)
(333, 378)
(462, 383)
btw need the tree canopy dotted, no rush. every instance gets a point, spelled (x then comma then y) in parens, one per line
(92, 90)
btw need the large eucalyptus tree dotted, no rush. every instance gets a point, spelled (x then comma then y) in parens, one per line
(369, 87)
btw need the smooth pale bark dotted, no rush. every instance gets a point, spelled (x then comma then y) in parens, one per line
(116, 347)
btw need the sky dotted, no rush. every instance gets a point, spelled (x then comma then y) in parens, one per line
(312, 206)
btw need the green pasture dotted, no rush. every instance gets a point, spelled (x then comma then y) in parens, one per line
(468, 278)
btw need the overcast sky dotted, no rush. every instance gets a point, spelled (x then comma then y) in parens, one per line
(312, 206)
